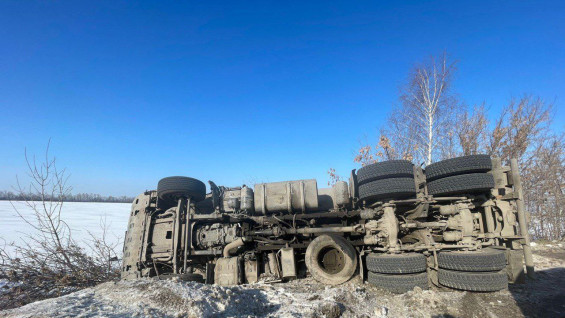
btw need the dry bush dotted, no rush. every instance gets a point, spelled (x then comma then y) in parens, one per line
(49, 261)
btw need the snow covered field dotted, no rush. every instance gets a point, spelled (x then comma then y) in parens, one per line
(80, 216)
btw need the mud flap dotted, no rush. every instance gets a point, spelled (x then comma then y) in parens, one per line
(515, 267)
(287, 262)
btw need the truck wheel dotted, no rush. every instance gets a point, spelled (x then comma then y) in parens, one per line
(473, 281)
(398, 283)
(457, 166)
(170, 189)
(331, 259)
(462, 184)
(485, 260)
(393, 188)
(407, 263)
(385, 170)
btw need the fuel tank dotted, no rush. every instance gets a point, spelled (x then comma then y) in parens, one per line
(289, 196)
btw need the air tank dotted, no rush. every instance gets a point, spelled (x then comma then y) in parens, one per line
(247, 199)
(340, 194)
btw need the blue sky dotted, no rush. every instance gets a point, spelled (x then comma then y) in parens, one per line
(241, 92)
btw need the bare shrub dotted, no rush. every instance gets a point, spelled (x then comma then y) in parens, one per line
(49, 261)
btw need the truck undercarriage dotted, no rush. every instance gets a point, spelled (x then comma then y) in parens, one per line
(460, 223)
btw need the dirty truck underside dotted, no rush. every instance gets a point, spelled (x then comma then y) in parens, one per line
(460, 223)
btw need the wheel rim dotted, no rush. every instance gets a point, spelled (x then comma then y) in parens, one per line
(331, 260)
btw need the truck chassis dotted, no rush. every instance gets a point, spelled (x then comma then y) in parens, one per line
(460, 223)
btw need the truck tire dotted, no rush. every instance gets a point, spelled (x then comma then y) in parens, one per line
(399, 283)
(473, 281)
(393, 188)
(457, 166)
(485, 260)
(385, 170)
(331, 259)
(462, 184)
(407, 263)
(170, 189)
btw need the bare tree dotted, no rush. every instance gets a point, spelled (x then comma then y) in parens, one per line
(544, 184)
(421, 128)
(520, 129)
(471, 129)
(421, 123)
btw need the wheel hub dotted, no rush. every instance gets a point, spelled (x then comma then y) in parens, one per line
(331, 260)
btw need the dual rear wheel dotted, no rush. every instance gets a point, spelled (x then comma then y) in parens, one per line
(461, 175)
(387, 180)
(481, 271)
(397, 273)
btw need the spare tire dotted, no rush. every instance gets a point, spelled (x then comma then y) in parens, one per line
(331, 259)
(393, 188)
(462, 184)
(457, 166)
(384, 170)
(170, 189)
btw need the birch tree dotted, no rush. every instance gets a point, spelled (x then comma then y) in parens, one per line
(427, 105)
(420, 126)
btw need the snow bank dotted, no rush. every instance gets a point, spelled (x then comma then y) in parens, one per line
(187, 299)
(542, 297)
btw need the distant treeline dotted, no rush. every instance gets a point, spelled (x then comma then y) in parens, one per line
(79, 197)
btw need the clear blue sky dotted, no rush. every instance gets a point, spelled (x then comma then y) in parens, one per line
(245, 91)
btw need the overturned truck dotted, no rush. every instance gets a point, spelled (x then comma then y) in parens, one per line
(460, 223)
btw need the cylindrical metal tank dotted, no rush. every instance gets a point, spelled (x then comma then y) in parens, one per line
(340, 194)
(289, 196)
(247, 199)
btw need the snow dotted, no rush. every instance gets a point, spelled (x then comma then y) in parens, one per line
(187, 299)
(541, 297)
(80, 216)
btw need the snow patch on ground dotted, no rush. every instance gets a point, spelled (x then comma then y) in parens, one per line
(542, 297)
